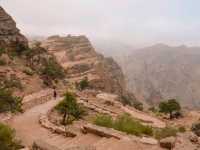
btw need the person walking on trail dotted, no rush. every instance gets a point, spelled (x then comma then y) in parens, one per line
(54, 93)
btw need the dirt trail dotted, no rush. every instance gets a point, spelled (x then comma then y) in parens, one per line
(29, 130)
(27, 126)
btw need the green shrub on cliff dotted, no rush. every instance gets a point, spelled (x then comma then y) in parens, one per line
(124, 123)
(7, 139)
(69, 108)
(84, 84)
(8, 102)
(169, 107)
(165, 132)
(2, 51)
(53, 70)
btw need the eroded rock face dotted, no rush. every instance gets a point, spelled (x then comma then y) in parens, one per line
(162, 72)
(9, 33)
(77, 55)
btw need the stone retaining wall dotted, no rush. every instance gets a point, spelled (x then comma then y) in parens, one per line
(96, 108)
(38, 98)
(111, 133)
(44, 121)
(102, 131)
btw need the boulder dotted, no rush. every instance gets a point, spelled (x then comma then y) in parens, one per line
(193, 138)
(150, 141)
(168, 142)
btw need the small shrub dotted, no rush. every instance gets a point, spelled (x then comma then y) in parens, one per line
(70, 109)
(153, 109)
(165, 132)
(20, 48)
(2, 62)
(138, 106)
(196, 128)
(2, 51)
(84, 84)
(7, 139)
(104, 120)
(13, 82)
(169, 107)
(129, 125)
(52, 70)
(125, 100)
(182, 129)
(9, 102)
(124, 123)
(28, 72)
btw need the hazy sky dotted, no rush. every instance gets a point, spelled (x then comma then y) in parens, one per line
(136, 22)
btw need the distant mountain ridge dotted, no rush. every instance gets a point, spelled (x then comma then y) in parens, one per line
(162, 72)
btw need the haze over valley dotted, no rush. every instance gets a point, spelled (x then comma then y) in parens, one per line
(99, 75)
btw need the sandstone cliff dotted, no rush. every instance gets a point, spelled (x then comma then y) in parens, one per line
(21, 66)
(9, 33)
(162, 72)
(77, 56)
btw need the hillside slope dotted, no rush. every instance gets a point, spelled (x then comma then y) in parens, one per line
(162, 72)
(21, 66)
(77, 56)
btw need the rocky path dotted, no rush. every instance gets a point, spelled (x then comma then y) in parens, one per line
(27, 126)
(29, 130)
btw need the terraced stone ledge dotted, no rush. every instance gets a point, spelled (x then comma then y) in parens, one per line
(102, 131)
(111, 133)
(44, 121)
(97, 108)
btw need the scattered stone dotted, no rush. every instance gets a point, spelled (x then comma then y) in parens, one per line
(193, 138)
(41, 145)
(168, 142)
(148, 140)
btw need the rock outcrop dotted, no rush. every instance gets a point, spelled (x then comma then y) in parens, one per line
(77, 55)
(168, 142)
(21, 66)
(9, 33)
(161, 72)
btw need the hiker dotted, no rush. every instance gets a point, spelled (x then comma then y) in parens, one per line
(54, 93)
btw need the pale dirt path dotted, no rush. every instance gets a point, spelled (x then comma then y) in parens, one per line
(29, 130)
(27, 125)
